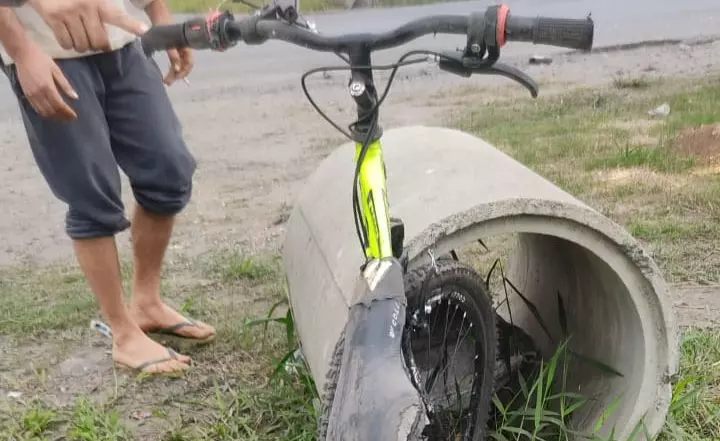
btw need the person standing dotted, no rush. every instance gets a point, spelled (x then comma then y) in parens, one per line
(79, 24)
(87, 110)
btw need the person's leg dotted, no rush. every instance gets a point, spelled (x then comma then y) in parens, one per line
(147, 141)
(76, 161)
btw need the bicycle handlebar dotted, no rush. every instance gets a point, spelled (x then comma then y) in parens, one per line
(493, 28)
(264, 29)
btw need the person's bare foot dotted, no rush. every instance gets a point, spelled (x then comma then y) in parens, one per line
(137, 351)
(157, 317)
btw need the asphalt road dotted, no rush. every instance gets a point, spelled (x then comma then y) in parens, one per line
(616, 22)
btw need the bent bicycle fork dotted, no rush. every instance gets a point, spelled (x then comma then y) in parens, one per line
(375, 398)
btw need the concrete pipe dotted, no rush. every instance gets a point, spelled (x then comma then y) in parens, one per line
(450, 189)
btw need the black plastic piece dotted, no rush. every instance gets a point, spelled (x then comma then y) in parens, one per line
(491, 23)
(562, 32)
(476, 35)
(455, 66)
(397, 236)
(482, 41)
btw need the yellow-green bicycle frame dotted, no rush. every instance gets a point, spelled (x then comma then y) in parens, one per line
(374, 206)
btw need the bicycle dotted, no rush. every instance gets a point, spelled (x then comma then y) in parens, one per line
(394, 305)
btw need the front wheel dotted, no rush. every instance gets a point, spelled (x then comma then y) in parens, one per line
(449, 347)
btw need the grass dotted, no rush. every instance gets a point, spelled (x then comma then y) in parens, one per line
(90, 423)
(541, 408)
(32, 302)
(601, 146)
(695, 408)
(249, 385)
(235, 391)
(235, 267)
(305, 5)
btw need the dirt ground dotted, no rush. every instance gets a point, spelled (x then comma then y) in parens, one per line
(256, 141)
(702, 141)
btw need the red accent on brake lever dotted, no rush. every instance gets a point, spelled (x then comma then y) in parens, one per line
(211, 24)
(213, 15)
(502, 14)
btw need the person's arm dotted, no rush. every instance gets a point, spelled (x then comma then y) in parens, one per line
(13, 35)
(181, 59)
(142, 4)
(39, 76)
(156, 10)
(78, 24)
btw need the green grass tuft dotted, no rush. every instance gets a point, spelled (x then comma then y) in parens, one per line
(91, 422)
(35, 303)
(632, 83)
(237, 267)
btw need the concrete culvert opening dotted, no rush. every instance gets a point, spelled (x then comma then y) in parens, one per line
(584, 315)
(451, 189)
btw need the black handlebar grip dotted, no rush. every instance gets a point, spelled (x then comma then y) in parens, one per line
(192, 33)
(563, 32)
(163, 37)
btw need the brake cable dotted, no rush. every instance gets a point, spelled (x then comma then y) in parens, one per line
(374, 111)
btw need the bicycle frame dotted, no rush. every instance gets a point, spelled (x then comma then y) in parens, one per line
(372, 177)
(392, 408)
(375, 207)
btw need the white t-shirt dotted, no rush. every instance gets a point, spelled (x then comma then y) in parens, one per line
(39, 32)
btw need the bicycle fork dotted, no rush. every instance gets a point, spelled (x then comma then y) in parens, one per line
(375, 398)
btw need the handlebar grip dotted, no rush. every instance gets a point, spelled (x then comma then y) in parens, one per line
(197, 33)
(563, 32)
(164, 37)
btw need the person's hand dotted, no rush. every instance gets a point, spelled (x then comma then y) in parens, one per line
(79, 24)
(181, 58)
(40, 78)
(181, 63)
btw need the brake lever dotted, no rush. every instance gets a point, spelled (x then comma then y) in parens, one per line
(276, 9)
(281, 10)
(466, 66)
(513, 73)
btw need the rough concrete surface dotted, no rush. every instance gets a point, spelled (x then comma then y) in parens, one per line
(458, 189)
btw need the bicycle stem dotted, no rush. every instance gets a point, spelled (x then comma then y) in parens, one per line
(362, 90)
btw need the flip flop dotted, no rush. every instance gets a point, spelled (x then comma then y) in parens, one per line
(172, 331)
(173, 356)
